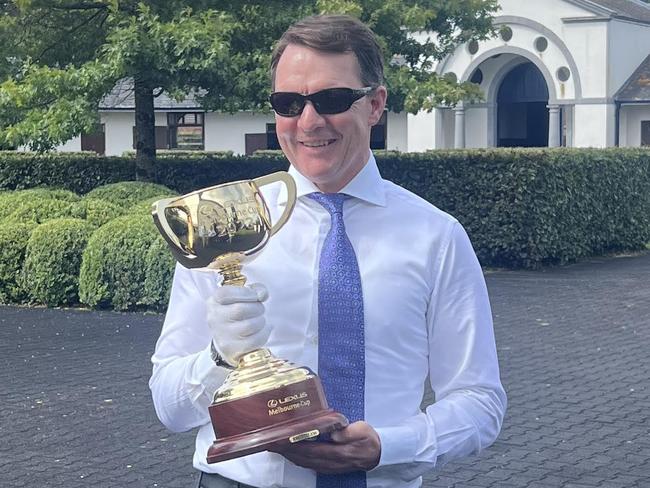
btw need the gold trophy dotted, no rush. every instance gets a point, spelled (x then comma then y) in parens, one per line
(265, 402)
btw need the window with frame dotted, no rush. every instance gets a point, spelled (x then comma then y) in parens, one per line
(186, 130)
(645, 132)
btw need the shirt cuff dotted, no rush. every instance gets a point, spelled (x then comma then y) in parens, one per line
(398, 445)
(209, 375)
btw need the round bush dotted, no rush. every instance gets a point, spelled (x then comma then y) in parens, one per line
(13, 243)
(144, 207)
(9, 200)
(127, 193)
(159, 272)
(97, 212)
(113, 264)
(39, 210)
(50, 274)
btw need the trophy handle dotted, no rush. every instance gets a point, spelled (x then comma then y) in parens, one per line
(159, 218)
(285, 178)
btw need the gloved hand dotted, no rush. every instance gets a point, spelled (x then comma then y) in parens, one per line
(235, 316)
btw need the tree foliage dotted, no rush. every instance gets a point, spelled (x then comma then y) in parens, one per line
(58, 58)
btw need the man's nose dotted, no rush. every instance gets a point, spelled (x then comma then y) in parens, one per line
(310, 119)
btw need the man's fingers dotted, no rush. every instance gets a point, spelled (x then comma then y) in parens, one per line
(351, 433)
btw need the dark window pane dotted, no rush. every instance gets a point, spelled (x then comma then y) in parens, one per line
(645, 132)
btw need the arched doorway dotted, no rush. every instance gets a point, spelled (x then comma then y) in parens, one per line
(522, 113)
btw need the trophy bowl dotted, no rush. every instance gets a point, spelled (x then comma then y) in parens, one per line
(265, 402)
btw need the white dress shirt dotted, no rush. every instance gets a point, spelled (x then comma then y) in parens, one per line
(426, 313)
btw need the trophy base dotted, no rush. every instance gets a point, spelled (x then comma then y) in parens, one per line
(276, 435)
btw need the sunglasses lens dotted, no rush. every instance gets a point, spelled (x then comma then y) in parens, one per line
(287, 104)
(333, 100)
(326, 102)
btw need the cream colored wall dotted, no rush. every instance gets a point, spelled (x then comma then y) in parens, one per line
(630, 130)
(73, 145)
(591, 127)
(397, 131)
(118, 129)
(226, 132)
(421, 131)
(629, 45)
(476, 120)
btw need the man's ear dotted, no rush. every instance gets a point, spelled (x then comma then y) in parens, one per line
(377, 104)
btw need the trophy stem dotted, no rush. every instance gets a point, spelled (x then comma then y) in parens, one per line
(232, 275)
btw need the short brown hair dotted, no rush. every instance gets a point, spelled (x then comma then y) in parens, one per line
(335, 34)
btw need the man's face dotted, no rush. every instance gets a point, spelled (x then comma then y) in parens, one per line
(329, 150)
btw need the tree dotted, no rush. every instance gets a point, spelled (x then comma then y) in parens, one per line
(58, 58)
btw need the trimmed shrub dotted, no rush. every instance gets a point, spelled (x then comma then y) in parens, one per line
(532, 207)
(79, 172)
(128, 193)
(10, 200)
(113, 264)
(144, 207)
(13, 243)
(159, 273)
(188, 174)
(39, 210)
(97, 212)
(50, 273)
(521, 207)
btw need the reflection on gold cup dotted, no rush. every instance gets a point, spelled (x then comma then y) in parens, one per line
(265, 402)
(223, 226)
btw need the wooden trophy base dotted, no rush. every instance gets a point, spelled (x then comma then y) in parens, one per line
(268, 419)
(275, 436)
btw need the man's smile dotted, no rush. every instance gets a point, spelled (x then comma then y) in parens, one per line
(319, 143)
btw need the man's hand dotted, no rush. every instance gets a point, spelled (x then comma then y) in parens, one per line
(355, 448)
(235, 315)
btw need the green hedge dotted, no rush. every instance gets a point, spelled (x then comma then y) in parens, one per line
(127, 193)
(13, 243)
(50, 275)
(78, 172)
(113, 268)
(521, 207)
(530, 207)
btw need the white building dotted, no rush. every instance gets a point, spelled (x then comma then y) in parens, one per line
(561, 73)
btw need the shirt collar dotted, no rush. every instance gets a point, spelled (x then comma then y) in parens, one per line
(367, 185)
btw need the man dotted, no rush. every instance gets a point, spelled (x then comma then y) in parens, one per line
(414, 302)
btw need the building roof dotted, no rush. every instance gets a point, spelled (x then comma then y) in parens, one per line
(635, 10)
(637, 86)
(122, 97)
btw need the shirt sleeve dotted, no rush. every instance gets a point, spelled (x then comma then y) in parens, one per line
(470, 401)
(184, 377)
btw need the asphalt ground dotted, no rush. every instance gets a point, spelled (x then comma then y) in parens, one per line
(574, 347)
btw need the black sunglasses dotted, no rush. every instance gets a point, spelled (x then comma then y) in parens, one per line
(326, 102)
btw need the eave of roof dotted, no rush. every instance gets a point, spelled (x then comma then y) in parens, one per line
(637, 87)
(627, 10)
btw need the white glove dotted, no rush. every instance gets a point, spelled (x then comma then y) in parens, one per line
(235, 316)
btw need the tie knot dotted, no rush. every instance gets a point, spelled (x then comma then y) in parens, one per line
(332, 202)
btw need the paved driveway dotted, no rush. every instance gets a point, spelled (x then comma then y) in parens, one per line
(574, 346)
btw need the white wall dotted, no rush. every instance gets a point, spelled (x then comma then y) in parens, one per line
(226, 132)
(73, 145)
(118, 127)
(421, 131)
(591, 125)
(631, 117)
(476, 119)
(588, 45)
(629, 45)
(397, 131)
(547, 12)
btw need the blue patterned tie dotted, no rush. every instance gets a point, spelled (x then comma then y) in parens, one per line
(341, 345)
